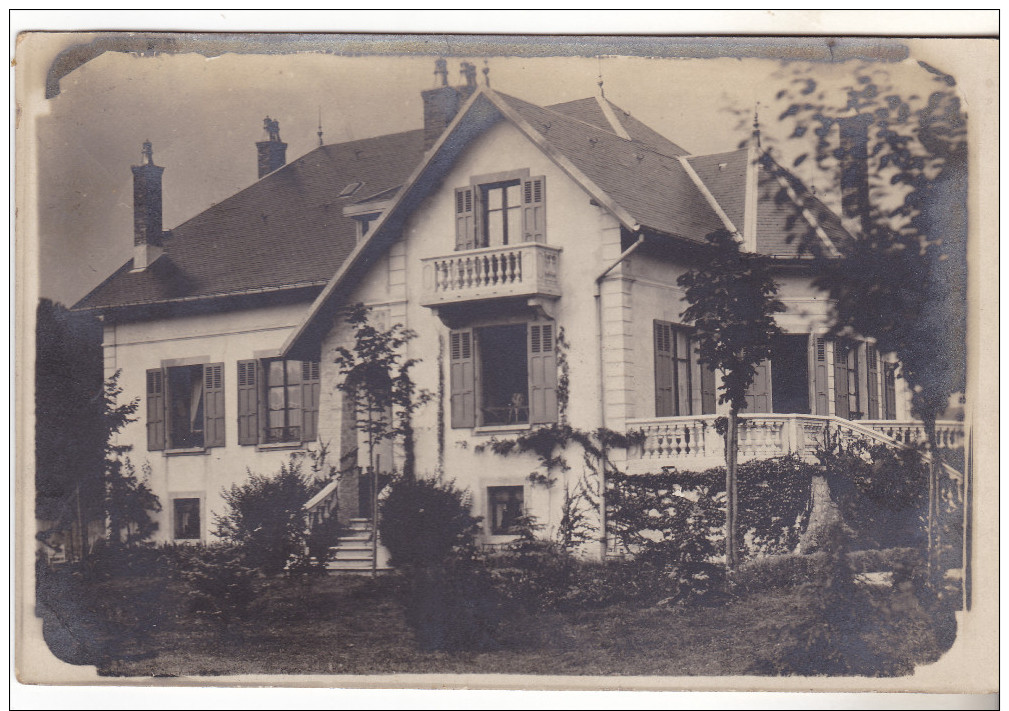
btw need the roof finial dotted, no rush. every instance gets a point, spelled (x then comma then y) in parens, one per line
(602, 92)
(756, 123)
(486, 73)
(319, 132)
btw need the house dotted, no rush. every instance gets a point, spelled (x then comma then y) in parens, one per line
(534, 250)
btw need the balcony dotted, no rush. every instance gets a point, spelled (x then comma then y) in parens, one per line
(691, 443)
(529, 269)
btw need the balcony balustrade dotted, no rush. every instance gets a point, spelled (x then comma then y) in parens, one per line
(528, 269)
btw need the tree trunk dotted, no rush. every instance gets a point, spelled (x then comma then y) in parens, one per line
(731, 453)
(935, 463)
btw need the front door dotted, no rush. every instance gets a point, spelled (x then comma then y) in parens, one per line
(790, 374)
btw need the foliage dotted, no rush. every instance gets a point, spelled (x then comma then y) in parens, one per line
(221, 586)
(549, 443)
(265, 516)
(881, 491)
(69, 425)
(421, 521)
(375, 374)
(129, 503)
(733, 299)
(777, 572)
(675, 517)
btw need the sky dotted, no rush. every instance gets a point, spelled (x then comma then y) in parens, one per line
(204, 115)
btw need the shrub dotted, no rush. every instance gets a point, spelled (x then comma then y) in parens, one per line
(221, 585)
(265, 516)
(422, 520)
(881, 492)
(777, 572)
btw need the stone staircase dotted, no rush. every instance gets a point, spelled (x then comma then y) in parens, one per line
(353, 551)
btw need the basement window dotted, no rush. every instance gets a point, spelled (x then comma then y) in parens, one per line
(505, 506)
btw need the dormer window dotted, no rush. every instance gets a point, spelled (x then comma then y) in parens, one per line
(499, 210)
(364, 223)
(350, 189)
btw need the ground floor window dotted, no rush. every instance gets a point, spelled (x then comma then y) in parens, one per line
(506, 507)
(187, 519)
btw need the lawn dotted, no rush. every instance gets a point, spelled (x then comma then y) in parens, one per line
(141, 626)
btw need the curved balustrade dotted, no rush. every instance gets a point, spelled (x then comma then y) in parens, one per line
(683, 441)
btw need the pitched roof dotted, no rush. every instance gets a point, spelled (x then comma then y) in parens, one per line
(652, 186)
(787, 214)
(283, 231)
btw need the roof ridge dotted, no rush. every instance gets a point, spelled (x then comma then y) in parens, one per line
(633, 141)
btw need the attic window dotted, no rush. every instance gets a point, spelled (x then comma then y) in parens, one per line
(350, 189)
(721, 166)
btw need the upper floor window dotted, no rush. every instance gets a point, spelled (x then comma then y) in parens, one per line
(278, 401)
(500, 211)
(676, 386)
(185, 407)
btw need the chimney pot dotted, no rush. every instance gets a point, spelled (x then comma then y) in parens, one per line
(271, 153)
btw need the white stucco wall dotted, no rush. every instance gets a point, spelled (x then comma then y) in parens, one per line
(225, 338)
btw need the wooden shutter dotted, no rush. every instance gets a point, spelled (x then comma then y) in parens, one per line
(534, 206)
(465, 218)
(663, 369)
(155, 410)
(841, 404)
(758, 395)
(462, 377)
(709, 391)
(542, 374)
(213, 405)
(872, 378)
(309, 400)
(820, 385)
(890, 390)
(248, 402)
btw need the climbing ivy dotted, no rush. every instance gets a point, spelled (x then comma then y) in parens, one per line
(564, 377)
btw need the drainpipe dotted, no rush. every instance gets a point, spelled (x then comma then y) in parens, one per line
(602, 393)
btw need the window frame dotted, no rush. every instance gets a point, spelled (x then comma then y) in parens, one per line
(161, 406)
(309, 378)
(200, 510)
(492, 527)
(675, 361)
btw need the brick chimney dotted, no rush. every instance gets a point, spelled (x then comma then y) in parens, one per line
(442, 103)
(147, 232)
(272, 151)
(854, 143)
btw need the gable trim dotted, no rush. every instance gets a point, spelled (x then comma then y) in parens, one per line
(708, 196)
(611, 117)
(808, 216)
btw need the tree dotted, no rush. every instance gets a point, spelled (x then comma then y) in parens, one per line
(733, 299)
(902, 281)
(377, 378)
(81, 475)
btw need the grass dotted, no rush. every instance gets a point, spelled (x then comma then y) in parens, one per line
(352, 625)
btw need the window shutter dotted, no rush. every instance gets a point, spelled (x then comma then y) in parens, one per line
(462, 378)
(534, 206)
(663, 369)
(709, 391)
(542, 374)
(213, 405)
(758, 395)
(465, 218)
(248, 402)
(155, 410)
(890, 390)
(821, 389)
(872, 378)
(309, 400)
(841, 404)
